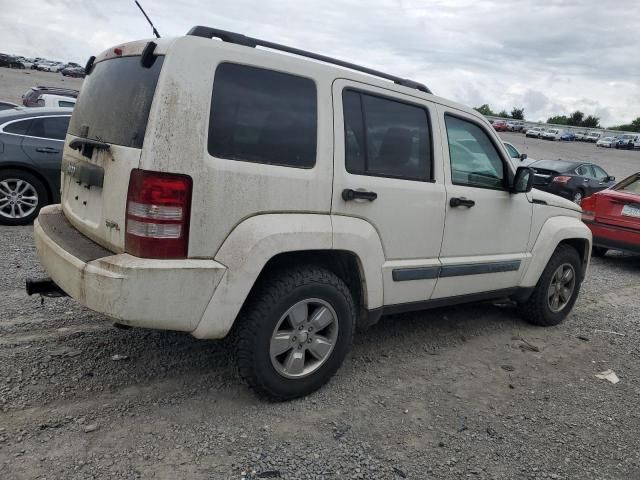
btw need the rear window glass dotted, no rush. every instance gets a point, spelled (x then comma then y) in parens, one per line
(115, 100)
(263, 116)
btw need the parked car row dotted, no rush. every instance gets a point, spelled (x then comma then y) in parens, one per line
(69, 69)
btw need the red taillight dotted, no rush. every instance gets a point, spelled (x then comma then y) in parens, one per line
(117, 51)
(158, 207)
(588, 207)
(561, 179)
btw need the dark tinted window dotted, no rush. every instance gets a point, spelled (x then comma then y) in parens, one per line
(54, 128)
(385, 137)
(62, 103)
(115, 101)
(19, 128)
(474, 159)
(263, 116)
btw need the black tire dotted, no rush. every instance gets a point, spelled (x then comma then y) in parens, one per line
(38, 186)
(599, 251)
(536, 309)
(261, 315)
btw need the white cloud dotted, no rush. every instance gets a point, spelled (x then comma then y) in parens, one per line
(549, 57)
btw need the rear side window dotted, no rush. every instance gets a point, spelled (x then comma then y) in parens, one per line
(385, 137)
(19, 128)
(54, 128)
(63, 104)
(263, 116)
(114, 104)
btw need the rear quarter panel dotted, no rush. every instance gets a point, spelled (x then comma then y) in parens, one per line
(225, 192)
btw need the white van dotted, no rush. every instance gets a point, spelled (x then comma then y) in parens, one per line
(285, 198)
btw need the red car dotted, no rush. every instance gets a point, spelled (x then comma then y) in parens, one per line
(500, 126)
(613, 215)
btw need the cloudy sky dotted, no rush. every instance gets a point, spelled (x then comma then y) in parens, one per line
(548, 56)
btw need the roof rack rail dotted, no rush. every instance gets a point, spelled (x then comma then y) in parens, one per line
(239, 39)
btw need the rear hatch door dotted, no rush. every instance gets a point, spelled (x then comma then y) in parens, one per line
(104, 144)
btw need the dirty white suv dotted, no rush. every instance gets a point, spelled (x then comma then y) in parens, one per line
(217, 188)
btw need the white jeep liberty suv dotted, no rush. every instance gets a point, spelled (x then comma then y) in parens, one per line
(245, 187)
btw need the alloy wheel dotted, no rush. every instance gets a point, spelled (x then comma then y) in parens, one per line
(304, 338)
(561, 288)
(18, 198)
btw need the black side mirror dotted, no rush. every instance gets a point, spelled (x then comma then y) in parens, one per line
(610, 178)
(523, 181)
(523, 156)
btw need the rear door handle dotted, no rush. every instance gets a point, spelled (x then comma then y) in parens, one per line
(461, 202)
(47, 150)
(349, 194)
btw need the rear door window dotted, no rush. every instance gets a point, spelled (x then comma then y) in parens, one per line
(386, 137)
(54, 128)
(114, 104)
(263, 116)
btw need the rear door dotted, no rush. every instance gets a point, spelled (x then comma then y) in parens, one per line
(43, 144)
(385, 173)
(112, 108)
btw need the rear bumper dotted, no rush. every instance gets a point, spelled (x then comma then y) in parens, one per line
(616, 238)
(163, 294)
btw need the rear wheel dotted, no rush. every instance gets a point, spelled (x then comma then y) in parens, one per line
(557, 289)
(294, 332)
(578, 196)
(22, 195)
(599, 251)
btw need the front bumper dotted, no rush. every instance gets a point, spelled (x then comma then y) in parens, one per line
(163, 294)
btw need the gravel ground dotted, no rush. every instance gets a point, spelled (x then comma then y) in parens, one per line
(466, 392)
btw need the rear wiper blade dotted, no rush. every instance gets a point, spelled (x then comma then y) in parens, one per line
(78, 143)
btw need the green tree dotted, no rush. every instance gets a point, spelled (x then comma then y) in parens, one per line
(634, 126)
(575, 119)
(503, 114)
(517, 113)
(558, 120)
(591, 121)
(485, 110)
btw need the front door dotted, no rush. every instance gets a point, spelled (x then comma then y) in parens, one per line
(486, 227)
(385, 174)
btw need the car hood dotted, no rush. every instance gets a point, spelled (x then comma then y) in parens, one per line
(553, 200)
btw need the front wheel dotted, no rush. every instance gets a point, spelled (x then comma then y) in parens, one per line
(294, 332)
(557, 289)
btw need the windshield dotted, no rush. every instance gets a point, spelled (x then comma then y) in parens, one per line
(115, 100)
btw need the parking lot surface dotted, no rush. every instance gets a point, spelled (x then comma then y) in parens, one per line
(14, 82)
(465, 392)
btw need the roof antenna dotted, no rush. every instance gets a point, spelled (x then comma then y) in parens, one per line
(155, 32)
